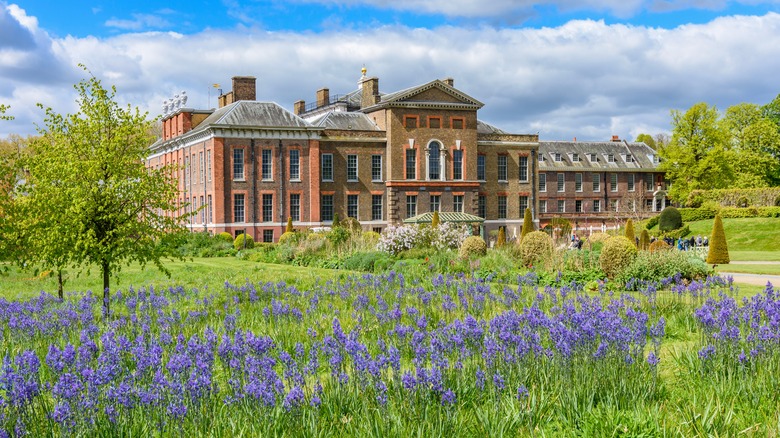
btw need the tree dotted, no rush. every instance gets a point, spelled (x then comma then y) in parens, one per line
(719, 250)
(630, 234)
(528, 224)
(646, 139)
(755, 146)
(696, 157)
(89, 196)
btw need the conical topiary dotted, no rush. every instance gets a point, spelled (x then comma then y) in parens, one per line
(630, 234)
(501, 239)
(336, 222)
(435, 219)
(289, 228)
(644, 240)
(719, 250)
(528, 224)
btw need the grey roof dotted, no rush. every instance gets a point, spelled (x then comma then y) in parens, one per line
(486, 128)
(643, 155)
(444, 216)
(253, 114)
(346, 121)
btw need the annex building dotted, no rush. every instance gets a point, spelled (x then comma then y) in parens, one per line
(381, 158)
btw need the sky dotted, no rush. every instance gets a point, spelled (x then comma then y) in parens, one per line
(563, 68)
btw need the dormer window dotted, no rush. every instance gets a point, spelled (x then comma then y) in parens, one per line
(629, 158)
(610, 158)
(592, 157)
(655, 159)
(541, 158)
(557, 156)
(575, 158)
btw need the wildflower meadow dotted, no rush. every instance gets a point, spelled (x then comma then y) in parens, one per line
(386, 355)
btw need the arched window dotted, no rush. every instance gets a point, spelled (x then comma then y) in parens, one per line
(434, 149)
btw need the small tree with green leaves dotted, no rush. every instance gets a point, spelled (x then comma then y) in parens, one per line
(719, 249)
(90, 198)
(435, 219)
(528, 224)
(630, 234)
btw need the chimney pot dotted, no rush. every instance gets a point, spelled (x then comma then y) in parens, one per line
(615, 138)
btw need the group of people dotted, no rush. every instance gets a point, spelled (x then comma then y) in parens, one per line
(683, 244)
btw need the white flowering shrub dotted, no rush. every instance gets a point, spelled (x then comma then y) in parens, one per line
(396, 239)
(451, 235)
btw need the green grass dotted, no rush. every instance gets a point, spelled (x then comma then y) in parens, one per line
(749, 234)
(773, 269)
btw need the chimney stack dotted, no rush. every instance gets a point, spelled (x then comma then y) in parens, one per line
(323, 97)
(244, 88)
(299, 107)
(370, 92)
(615, 138)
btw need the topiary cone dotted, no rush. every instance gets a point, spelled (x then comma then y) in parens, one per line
(501, 239)
(528, 224)
(719, 250)
(644, 240)
(336, 223)
(289, 228)
(435, 219)
(630, 234)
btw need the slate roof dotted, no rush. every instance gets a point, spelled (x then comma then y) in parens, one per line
(444, 216)
(346, 121)
(642, 155)
(246, 113)
(486, 128)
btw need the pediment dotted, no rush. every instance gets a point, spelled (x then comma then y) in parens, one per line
(432, 93)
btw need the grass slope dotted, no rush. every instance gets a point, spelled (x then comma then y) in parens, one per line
(749, 234)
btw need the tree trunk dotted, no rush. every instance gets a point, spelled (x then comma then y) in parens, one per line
(106, 293)
(59, 283)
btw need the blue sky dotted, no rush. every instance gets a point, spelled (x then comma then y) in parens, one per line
(565, 68)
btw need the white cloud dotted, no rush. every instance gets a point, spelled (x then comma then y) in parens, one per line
(585, 79)
(139, 22)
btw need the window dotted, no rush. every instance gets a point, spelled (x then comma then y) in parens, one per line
(457, 164)
(502, 168)
(295, 207)
(578, 182)
(411, 164)
(610, 158)
(238, 207)
(523, 205)
(541, 158)
(575, 158)
(202, 211)
(593, 157)
(208, 165)
(457, 203)
(578, 206)
(266, 165)
(434, 122)
(596, 182)
(411, 206)
(268, 236)
(629, 158)
(543, 206)
(352, 206)
(186, 169)
(596, 205)
(376, 168)
(201, 168)
(352, 168)
(268, 207)
(376, 207)
(501, 207)
(433, 160)
(523, 168)
(327, 167)
(482, 206)
(561, 206)
(481, 168)
(209, 218)
(542, 182)
(410, 121)
(561, 182)
(326, 208)
(435, 203)
(631, 182)
(613, 187)
(238, 164)
(295, 164)
(458, 123)
(557, 156)
(648, 182)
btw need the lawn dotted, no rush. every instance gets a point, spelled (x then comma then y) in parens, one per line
(748, 239)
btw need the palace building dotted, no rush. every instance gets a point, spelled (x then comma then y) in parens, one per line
(382, 158)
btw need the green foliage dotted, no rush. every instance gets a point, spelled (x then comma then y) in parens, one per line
(528, 224)
(227, 237)
(644, 240)
(617, 254)
(370, 238)
(670, 219)
(759, 197)
(659, 245)
(536, 249)
(289, 228)
(719, 250)
(646, 139)
(288, 237)
(352, 225)
(501, 239)
(435, 219)
(243, 241)
(336, 222)
(630, 234)
(88, 199)
(473, 246)
(658, 265)
(338, 235)
(372, 261)
(653, 221)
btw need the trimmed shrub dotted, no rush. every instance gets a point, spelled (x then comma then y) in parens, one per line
(227, 237)
(536, 249)
(659, 245)
(653, 221)
(243, 241)
(644, 240)
(289, 228)
(670, 219)
(630, 234)
(501, 239)
(616, 255)
(370, 237)
(473, 246)
(336, 222)
(719, 250)
(338, 235)
(352, 224)
(435, 219)
(528, 224)
(287, 236)
(598, 238)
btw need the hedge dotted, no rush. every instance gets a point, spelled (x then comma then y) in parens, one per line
(763, 197)
(703, 213)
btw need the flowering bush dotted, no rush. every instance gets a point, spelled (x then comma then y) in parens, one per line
(395, 239)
